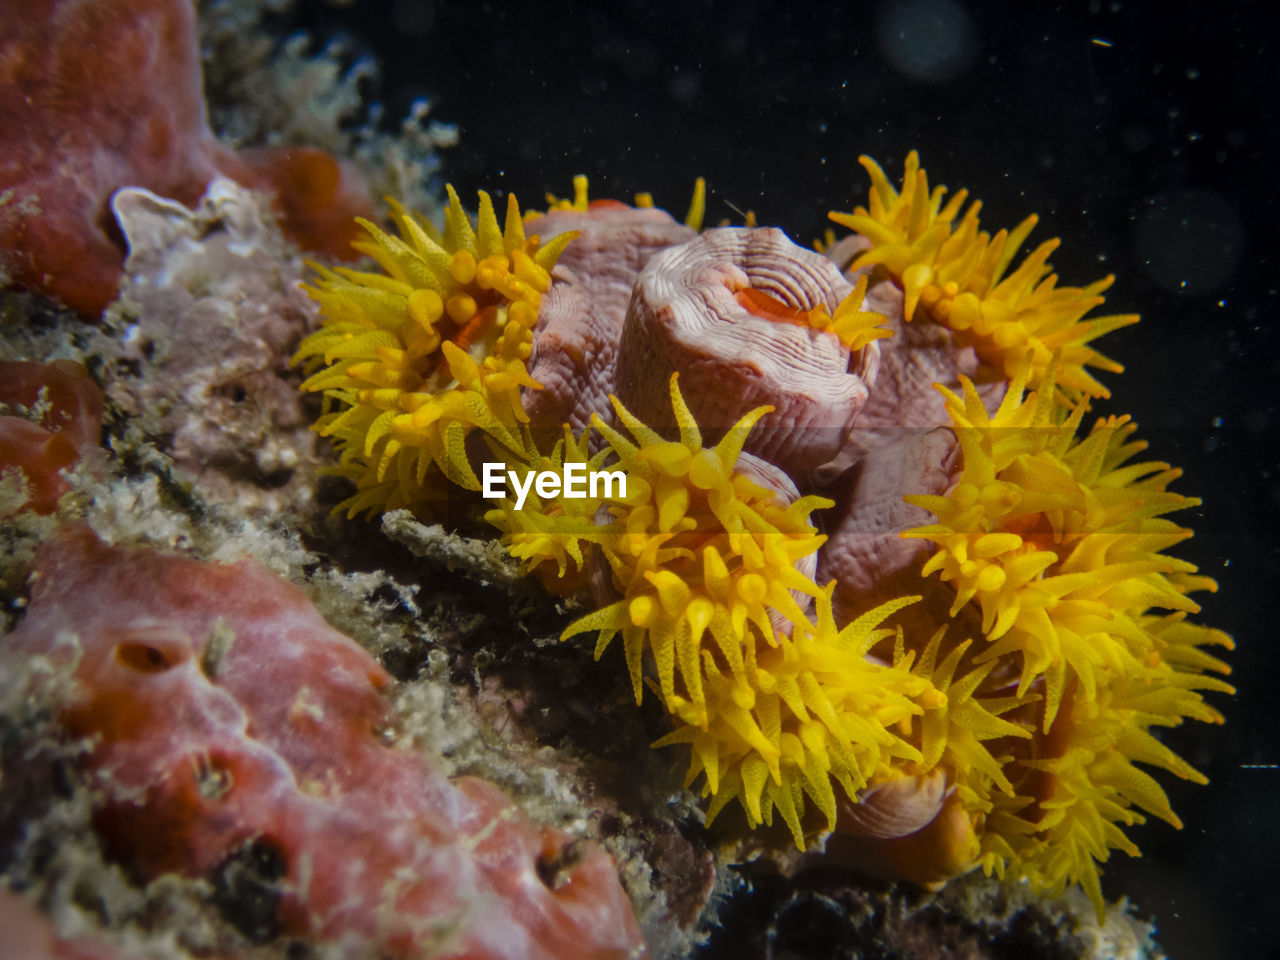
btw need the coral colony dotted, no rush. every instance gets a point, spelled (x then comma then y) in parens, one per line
(979, 647)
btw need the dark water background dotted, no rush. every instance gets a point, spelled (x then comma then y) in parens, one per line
(1141, 134)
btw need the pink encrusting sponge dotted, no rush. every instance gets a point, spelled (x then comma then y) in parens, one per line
(228, 721)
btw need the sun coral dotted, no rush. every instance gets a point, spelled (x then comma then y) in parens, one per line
(418, 357)
(712, 574)
(552, 535)
(1000, 718)
(1089, 787)
(697, 547)
(912, 359)
(800, 712)
(961, 277)
(1059, 540)
(229, 724)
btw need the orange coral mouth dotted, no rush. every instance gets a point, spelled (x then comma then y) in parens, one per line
(474, 336)
(768, 307)
(474, 329)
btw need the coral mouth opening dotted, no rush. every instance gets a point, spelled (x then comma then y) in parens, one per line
(475, 336)
(768, 307)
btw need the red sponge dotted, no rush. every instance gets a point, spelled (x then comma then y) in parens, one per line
(101, 94)
(229, 720)
(72, 422)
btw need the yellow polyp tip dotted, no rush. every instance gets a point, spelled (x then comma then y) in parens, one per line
(463, 267)
(673, 593)
(752, 588)
(580, 192)
(700, 613)
(425, 306)
(697, 205)
(642, 610)
(933, 700)
(461, 308)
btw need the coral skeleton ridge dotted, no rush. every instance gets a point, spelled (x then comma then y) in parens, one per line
(1037, 638)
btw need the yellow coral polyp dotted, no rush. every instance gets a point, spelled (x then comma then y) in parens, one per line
(1039, 728)
(412, 360)
(853, 325)
(701, 556)
(580, 203)
(961, 276)
(807, 714)
(1058, 540)
(1094, 788)
(958, 721)
(551, 536)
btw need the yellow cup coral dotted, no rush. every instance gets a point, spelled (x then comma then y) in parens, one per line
(961, 276)
(960, 720)
(697, 547)
(414, 360)
(1089, 786)
(550, 535)
(806, 709)
(1058, 540)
